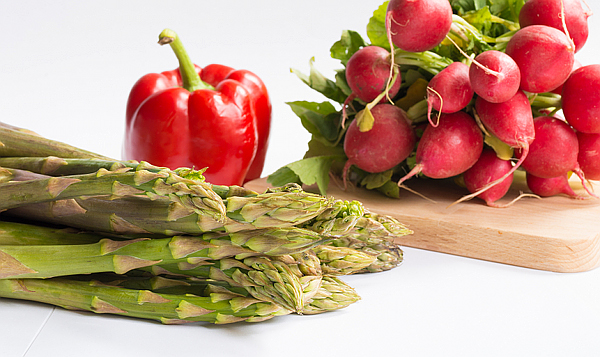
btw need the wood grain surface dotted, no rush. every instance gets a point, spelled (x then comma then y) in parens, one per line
(559, 234)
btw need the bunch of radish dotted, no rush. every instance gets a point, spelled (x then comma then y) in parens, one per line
(487, 95)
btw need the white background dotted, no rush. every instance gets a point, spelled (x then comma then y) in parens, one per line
(66, 68)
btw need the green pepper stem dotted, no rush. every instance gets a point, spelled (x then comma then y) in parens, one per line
(191, 79)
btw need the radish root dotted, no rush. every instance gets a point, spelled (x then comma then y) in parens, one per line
(506, 205)
(484, 68)
(393, 68)
(480, 124)
(345, 174)
(344, 106)
(416, 193)
(430, 107)
(564, 23)
(495, 182)
(416, 170)
(581, 176)
(589, 11)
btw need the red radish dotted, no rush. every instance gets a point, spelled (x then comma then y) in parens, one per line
(450, 90)
(367, 73)
(576, 64)
(544, 55)
(546, 187)
(418, 25)
(554, 150)
(499, 80)
(549, 13)
(589, 155)
(512, 123)
(488, 168)
(449, 148)
(581, 99)
(388, 143)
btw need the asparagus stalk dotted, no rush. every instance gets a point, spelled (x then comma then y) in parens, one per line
(126, 216)
(338, 219)
(394, 228)
(241, 208)
(268, 279)
(363, 231)
(377, 235)
(265, 278)
(19, 233)
(343, 260)
(16, 128)
(166, 308)
(168, 300)
(21, 142)
(64, 166)
(333, 293)
(304, 263)
(58, 166)
(117, 255)
(388, 255)
(193, 195)
(290, 205)
(141, 215)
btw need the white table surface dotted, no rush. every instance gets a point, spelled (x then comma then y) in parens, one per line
(66, 68)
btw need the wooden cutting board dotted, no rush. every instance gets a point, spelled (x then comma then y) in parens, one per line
(557, 234)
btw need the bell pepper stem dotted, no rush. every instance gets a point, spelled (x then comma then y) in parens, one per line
(191, 79)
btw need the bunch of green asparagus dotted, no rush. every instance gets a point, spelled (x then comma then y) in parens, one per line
(87, 232)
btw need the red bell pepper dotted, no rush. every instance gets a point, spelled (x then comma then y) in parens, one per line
(216, 73)
(215, 118)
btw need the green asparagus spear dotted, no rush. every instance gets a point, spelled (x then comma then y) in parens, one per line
(377, 235)
(337, 220)
(166, 308)
(117, 255)
(58, 166)
(64, 166)
(193, 195)
(347, 220)
(21, 233)
(245, 209)
(265, 278)
(364, 231)
(127, 216)
(343, 260)
(20, 142)
(141, 215)
(268, 279)
(388, 254)
(333, 294)
(235, 197)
